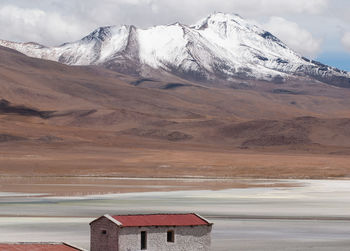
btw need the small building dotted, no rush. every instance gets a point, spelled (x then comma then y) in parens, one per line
(38, 246)
(152, 232)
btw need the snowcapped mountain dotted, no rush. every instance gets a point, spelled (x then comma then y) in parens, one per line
(220, 46)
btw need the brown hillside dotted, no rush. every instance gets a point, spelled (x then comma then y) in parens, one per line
(58, 119)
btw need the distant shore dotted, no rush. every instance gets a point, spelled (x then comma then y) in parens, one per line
(92, 185)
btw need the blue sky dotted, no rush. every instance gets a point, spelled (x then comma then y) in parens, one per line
(340, 60)
(318, 29)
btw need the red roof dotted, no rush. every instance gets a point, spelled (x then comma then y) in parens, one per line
(160, 220)
(36, 247)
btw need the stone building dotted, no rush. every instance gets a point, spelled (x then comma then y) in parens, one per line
(152, 232)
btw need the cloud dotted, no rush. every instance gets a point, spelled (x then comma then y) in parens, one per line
(346, 41)
(276, 7)
(296, 6)
(56, 21)
(30, 24)
(294, 36)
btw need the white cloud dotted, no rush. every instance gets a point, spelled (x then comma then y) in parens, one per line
(53, 22)
(296, 6)
(294, 36)
(278, 7)
(346, 41)
(247, 8)
(25, 24)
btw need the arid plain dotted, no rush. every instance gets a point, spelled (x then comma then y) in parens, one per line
(64, 121)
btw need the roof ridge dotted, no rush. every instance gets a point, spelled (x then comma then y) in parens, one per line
(111, 218)
(158, 219)
(35, 242)
(201, 217)
(23, 243)
(153, 214)
(73, 246)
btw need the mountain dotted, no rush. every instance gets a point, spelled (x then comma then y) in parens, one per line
(62, 120)
(45, 99)
(220, 48)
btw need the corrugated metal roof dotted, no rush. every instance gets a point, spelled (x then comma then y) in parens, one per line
(37, 247)
(144, 220)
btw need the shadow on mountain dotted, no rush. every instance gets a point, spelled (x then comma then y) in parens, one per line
(298, 131)
(158, 134)
(171, 86)
(7, 108)
(9, 138)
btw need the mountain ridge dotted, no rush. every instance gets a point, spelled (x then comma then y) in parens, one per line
(219, 48)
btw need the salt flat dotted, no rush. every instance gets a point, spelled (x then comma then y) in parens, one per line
(314, 215)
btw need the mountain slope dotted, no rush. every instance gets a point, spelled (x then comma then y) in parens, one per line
(60, 120)
(51, 94)
(219, 48)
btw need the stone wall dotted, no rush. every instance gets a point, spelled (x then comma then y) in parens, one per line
(103, 241)
(196, 238)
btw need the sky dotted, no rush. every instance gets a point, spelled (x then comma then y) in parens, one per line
(318, 29)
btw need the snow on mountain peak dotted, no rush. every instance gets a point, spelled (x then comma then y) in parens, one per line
(101, 33)
(223, 46)
(218, 19)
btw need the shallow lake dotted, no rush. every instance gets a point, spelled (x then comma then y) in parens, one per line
(314, 216)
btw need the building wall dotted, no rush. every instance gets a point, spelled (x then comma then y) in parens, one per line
(196, 238)
(100, 241)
